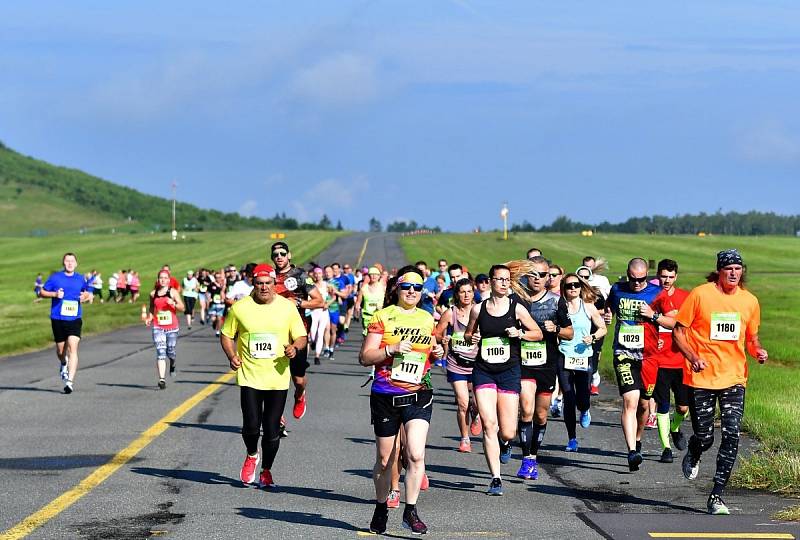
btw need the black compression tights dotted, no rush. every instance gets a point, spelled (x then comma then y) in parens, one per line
(731, 405)
(575, 390)
(262, 409)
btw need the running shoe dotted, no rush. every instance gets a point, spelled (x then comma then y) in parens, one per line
(465, 446)
(393, 501)
(325, 353)
(248, 472)
(505, 452)
(64, 373)
(634, 460)
(412, 522)
(68, 387)
(475, 426)
(594, 390)
(425, 484)
(690, 466)
(379, 518)
(666, 456)
(496, 487)
(299, 410)
(651, 422)
(162, 384)
(316, 361)
(586, 419)
(172, 368)
(572, 446)
(265, 479)
(716, 506)
(216, 333)
(679, 440)
(556, 408)
(526, 469)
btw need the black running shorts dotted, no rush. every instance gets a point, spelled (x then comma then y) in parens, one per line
(63, 329)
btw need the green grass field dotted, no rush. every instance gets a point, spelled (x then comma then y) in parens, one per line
(772, 410)
(27, 325)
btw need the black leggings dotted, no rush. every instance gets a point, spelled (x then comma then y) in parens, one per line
(575, 392)
(702, 404)
(262, 408)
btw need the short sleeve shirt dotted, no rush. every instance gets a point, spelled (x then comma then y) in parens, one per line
(668, 355)
(68, 308)
(550, 307)
(625, 304)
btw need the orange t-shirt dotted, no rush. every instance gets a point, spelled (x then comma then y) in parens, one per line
(717, 327)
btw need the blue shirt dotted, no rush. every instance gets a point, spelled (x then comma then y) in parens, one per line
(351, 280)
(625, 304)
(428, 288)
(68, 308)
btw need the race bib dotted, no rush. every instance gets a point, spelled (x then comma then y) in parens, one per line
(372, 307)
(495, 350)
(408, 367)
(164, 318)
(290, 284)
(725, 326)
(459, 344)
(534, 353)
(263, 346)
(576, 364)
(69, 308)
(631, 337)
(217, 299)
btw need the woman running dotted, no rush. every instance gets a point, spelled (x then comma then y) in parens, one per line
(400, 344)
(460, 354)
(370, 297)
(575, 360)
(164, 305)
(216, 289)
(495, 325)
(318, 335)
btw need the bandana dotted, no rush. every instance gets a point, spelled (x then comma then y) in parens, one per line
(729, 256)
(410, 277)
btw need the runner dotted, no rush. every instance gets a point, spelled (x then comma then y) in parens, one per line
(533, 252)
(163, 316)
(574, 365)
(460, 356)
(554, 283)
(399, 344)
(343, 292)
(262, 332)
(216, 311)
(202, 294)
(625, 301)
(134, 285)
(714, 328)
(112, 287)
(370, 297)
(482, 287)
(37, 288)
(540, 358)
(584, 272)
(292, 284)
(667, 359)
(191, 288)
(318, 335)
(351, 299)
(122, 286)
(494, 324)
(68, 291)
(334, 310)
(97, 286)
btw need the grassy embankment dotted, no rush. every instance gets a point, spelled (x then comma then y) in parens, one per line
(772, 410)
(26, 325)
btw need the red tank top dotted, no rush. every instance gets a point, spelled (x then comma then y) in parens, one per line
(165, 316)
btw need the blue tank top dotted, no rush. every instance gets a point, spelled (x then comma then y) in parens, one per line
(582, 325)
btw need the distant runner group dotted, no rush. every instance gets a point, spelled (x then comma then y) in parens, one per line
(518, 344)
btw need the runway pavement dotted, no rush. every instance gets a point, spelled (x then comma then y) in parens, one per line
(183, 482)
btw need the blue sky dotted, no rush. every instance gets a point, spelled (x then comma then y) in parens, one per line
(436, 111)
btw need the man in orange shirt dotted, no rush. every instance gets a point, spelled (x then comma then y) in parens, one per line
(714, 327)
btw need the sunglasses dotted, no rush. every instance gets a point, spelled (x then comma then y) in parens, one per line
(572, 285)
(583, 276)
(279, 254)
(555, 274)
(540, 275)
(409, 286)
(636, 279)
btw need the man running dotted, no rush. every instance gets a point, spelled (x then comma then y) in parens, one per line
(291, 283)
(343, 293)
(716, 325)
(261, 334)
(625, 301)
(68, 291)
(351, 300)
(660, 350)
(190, 293)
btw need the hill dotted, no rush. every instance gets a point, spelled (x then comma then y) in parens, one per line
(37, 198)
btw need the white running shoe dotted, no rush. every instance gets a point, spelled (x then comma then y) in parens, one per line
(64, 372)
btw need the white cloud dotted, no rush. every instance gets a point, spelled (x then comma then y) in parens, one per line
(771, 142)
(331, 196)
(248, 208)
(341, 79)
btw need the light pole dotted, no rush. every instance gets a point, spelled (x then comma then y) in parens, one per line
(504, 215)
(174, 230)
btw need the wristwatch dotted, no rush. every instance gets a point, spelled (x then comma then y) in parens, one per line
(655, 317)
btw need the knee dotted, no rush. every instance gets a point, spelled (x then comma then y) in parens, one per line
(384, 462)
(682, 409)
(415, 457)
(490, 426)
(541, 417)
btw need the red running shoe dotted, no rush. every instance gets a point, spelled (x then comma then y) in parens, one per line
(394, 499)
(475, 426)
(265, 480)
(299, 410)
(248, 472)
(594, 390)
(465, 446)
(425, 483)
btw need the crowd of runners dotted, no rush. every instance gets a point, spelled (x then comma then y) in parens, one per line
(519, 343)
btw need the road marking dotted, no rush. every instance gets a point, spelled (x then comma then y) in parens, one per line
(777, 536)
(447, 534)
(363, 250)
(67, 499)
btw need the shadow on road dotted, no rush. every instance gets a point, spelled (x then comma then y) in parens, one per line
(316, 493)
(209, 427)
(202, 477)
(29, 389)
(150, 387)
(302, 518)
(55, 463)
(609, 501)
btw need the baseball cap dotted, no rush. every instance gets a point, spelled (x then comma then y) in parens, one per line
(262, 270)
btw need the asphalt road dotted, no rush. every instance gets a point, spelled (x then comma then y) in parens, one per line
(184, 483)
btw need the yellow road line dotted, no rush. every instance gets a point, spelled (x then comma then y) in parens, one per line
(67, 499)
(363, 250)
(776, 536)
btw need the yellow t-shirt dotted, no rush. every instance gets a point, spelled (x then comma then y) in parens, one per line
(261, 332)
(717, 328)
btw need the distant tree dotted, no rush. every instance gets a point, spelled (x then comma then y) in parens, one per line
(339, 225)
(375, 225)
(325, 222)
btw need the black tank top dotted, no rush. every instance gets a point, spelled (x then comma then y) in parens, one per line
(491, 328)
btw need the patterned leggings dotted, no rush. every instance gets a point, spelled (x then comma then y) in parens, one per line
(731, 404)
(165, 341)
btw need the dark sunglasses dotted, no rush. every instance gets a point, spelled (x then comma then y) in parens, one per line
(572, 285)
(540, 275)
(409, 286)
(636, 279)
(583, 276)
(279, 254)
(555, 275)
